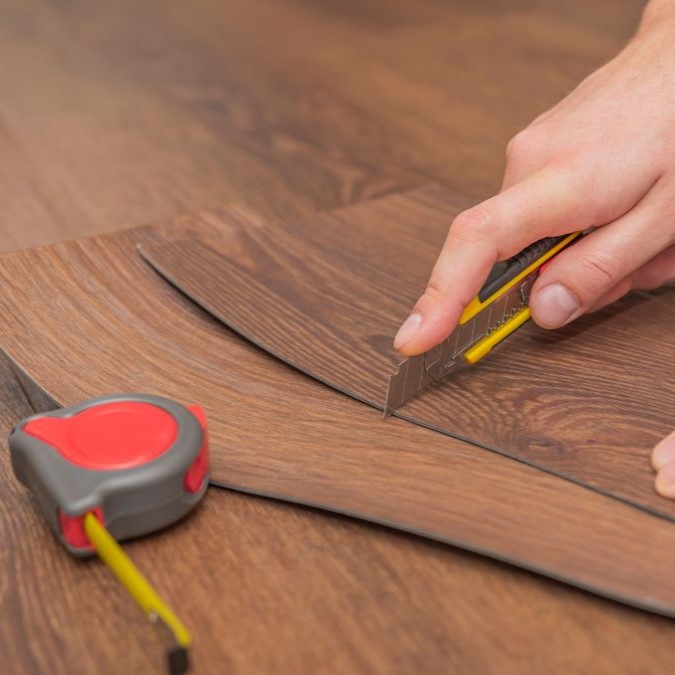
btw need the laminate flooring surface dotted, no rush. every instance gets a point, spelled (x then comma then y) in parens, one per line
(101, 320)
(128, 112)
(326, 294)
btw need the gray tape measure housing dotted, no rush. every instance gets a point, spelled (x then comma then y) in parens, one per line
(134, 501)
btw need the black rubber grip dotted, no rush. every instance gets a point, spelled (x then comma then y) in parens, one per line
(505, 270)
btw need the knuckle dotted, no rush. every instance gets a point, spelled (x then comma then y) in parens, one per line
(599, 271)
(437, 292)
(571, 190)
(521, 145)
(472, 225)
(433, 290)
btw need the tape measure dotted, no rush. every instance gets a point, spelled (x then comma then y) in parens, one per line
(113, 468)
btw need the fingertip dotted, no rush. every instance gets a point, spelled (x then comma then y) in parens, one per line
(664, 452)
(663, 461)
(407, 331)
(426, 337)
(425, 329)
(665, 481)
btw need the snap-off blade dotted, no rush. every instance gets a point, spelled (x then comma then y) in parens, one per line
(418, 373)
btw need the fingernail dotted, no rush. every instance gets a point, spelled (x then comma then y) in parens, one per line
(665, 481)
(554, 305)
(664, 452)
(407, 330)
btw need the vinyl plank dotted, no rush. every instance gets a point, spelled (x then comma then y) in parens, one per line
(268, 587)
(118, 113)
(101, 320)
(326, 295)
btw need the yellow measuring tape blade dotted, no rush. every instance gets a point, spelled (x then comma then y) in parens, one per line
(131, 578)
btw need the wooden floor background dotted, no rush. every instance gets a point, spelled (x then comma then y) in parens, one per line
(121, 113)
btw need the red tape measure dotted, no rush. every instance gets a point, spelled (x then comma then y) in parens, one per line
(112, 468)
(139, 462)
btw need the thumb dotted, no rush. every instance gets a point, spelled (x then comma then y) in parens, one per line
(547, 203)
(580, 277)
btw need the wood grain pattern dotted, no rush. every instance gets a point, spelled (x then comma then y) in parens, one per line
(129, 112)
(312, 593)
(277, 432)
(326, 294)
(126, 112)
(286, 589)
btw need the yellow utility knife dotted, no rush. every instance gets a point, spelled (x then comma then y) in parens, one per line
(501, 306)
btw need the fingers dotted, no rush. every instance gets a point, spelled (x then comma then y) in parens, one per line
(658, 272)
(546, 204)
(616, 293)
(663, 461)
(600, 265)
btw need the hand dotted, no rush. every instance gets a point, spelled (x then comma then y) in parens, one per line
(604, 157)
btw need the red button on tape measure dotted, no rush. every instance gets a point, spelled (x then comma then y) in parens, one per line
(139, 462)
(108, 436)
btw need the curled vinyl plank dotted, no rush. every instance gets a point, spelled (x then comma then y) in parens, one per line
(327, 293)
(101, 320)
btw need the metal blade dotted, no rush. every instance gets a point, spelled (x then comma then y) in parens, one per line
(420, 372)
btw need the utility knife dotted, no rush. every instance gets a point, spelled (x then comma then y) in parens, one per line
(500, 308)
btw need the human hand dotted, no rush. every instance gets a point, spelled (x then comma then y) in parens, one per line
(602, 157)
